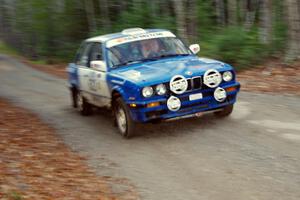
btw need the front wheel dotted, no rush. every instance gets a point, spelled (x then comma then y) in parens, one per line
(124, 122)
(225, 112)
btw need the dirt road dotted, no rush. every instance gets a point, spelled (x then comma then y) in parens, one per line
(254, 154)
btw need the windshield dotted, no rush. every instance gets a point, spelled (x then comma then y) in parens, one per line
(145, 50)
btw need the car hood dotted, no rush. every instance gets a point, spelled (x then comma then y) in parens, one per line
(160, 71)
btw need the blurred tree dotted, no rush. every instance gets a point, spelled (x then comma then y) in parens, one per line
(293, 18)
(180, 18)
(232, 12)
(192, 20)
(266, 21)
(53, 29)
(250, 12)
(89, 7)
(104, 12)
(220, 12)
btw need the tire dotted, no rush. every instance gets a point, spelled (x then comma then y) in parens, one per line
(123, 120)
(74, 97)
(82, 105)
(225, 112)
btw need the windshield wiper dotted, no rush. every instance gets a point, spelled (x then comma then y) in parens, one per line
(170, 55)
(148, 59)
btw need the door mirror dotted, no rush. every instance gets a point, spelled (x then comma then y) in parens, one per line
(98, 65)
(195, 48)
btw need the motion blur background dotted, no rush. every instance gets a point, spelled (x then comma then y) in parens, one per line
(241, 32)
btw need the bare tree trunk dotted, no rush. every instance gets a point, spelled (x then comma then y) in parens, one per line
(192, 21)
(232, 12)
(293, 17)
(104, 8)
(153, 8)
(220, 12)
(2, 26)
(180, 18)
(89, 9)
(60, 6)
(250, 10)
(266, 21)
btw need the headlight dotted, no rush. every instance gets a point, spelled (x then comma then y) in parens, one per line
(161, 89)
(147, 91)
(227, 76)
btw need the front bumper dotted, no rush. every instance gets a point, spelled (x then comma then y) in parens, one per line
(142, 113)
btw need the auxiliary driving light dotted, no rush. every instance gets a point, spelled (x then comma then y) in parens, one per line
(220, 94)
(173, 103)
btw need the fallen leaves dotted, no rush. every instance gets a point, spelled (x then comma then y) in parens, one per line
(35, 163)
(273, 77)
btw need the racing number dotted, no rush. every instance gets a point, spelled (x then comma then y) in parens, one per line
(94, 82)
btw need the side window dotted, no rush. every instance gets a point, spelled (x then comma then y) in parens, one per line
(96, 52)
(84, 56)
(79, 52)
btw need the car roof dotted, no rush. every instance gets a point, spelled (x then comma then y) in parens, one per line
(124, 33)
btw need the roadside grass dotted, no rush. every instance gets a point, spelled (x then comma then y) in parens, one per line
(15, 196)
(38, 62)
(5, 49)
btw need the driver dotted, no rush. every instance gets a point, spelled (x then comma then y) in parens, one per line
(150, 48)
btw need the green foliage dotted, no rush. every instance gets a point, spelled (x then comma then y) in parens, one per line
(236, 46)
(53, 30)
(15, 196)
(279, 28)
(5, 49)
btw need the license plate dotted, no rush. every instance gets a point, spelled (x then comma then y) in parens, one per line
(196, 96)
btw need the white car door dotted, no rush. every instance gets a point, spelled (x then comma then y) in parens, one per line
(84, 70)
(94, 84)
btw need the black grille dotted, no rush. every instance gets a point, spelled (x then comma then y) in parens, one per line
(194, 83)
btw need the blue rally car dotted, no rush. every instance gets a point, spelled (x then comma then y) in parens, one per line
(149, 76)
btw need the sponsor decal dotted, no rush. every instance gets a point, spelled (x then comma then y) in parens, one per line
(210, 61)
(137, 37)
(92, 82)
(196, 67)
(118, 82)
(189, 73)
(132, 74)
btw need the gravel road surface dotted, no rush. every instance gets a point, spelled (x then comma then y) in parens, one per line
(253, 154)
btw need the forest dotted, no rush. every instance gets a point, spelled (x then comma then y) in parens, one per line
(240, 32)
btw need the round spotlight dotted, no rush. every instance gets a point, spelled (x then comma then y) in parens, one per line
(174, 103)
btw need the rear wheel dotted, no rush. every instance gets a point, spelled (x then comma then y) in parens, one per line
(82, 105)
(225, 112)
(123, 120)
(74, 97)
